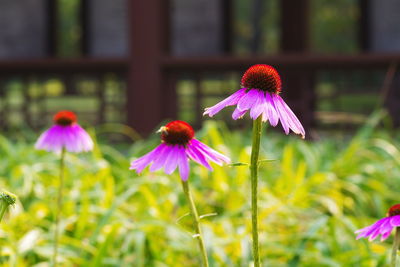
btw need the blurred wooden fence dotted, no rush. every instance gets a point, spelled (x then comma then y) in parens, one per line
(151, 75)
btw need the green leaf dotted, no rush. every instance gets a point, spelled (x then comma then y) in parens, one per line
(266, 160)
(238, 164)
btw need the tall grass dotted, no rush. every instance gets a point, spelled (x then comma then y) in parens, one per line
(311, 199)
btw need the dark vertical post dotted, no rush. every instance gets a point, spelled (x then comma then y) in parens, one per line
(227, 24)
(391, 93)
(257, 11)
(294, 25)
(144, 93)
(52, 27)
(363, 25)
(298, 86)
(84, 21)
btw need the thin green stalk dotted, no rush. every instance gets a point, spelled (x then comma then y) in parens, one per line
(255, 151)
(396, 243)
(7, 199)
(59, 207)
(193, 211)
(3, 209)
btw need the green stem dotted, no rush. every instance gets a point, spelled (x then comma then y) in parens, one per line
(7, 199)
(3, 209)
(255, 151)
(59, 207)
(396, 243)
(193, 211)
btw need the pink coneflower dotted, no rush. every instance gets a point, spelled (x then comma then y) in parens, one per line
(383, 226)
(177, 146)
(259, 94)
(65, 133)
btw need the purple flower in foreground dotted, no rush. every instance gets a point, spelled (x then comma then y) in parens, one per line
(65, 133)
(178, 145)
(259, 94)
(383, 226)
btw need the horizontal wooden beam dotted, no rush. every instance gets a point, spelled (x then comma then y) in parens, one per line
(63, 65)
(295, 60)
(225, 63)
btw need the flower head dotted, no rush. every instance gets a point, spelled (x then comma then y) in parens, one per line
(178, 145)
(65, 133)
(259, 94)
(383, 226)
(7, 198)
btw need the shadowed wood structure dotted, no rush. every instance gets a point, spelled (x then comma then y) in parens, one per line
(151, 72)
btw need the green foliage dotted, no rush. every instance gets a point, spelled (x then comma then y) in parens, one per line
(312, 198)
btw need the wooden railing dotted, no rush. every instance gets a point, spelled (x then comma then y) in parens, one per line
(35, 101)
(297, 70)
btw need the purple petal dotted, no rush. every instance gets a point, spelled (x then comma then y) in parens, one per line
(210, 153)
(248, 100)
(237, 114)
(287, 117)
(281, 113)
(395, 221)
(183, 163)
(172, 160)
(160, 158)
(374, 234)
(386, 226)
(229, 101)
(141, 163)
(197, 156)
(72, 137)
(366, 231)
(385, 235)
(258, 106)
(270, 111)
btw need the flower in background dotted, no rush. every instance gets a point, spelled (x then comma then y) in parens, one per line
(65, 133)
(383, 226)
(259, 94)
(177, 146)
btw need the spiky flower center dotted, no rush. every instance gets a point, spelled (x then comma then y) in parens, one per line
(65, 118)
(177, 133)
(394, 210)
(262, 77)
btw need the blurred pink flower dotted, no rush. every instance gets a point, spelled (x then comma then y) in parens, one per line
(65, 133)
(259, 94)
(178, 145)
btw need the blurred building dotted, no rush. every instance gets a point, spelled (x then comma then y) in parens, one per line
(140, 62)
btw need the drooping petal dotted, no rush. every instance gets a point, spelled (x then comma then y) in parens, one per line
(374, 234)
(369, 228)
(172, 160)
(366, 231)
(197, 156)
(269, 110)
(160, 158)
(386, 226)
(248, 100)
(183, 163)
(210, 153)
(71, 137)
(49, 140)
(258, 107)
(237, 114)
(395, 221)
(287, 117)
(76, 139)
(229, 101)
(384, 236)
(141, 163)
